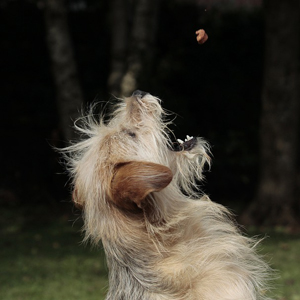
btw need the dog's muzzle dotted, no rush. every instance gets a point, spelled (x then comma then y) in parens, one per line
(185, 146)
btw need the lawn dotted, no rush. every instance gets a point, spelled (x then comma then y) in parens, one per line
(45, 260)
(42, 258)
(282, 250)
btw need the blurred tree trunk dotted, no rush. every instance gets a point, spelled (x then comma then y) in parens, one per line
(64, 69)
(141, 45)
(119, 44)
(132, 47)
(276, 202)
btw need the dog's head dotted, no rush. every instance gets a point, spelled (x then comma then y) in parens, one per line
(129, 158)
(131, 152)
(135, 147)
(135, 131)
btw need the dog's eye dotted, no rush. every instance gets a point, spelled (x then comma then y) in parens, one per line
(129, 132)
(132, 134)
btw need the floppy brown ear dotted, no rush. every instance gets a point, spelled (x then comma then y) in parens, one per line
(134, 180)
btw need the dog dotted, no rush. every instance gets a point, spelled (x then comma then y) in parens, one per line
(163, 238)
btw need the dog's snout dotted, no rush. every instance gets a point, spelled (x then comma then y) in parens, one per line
(139, 94)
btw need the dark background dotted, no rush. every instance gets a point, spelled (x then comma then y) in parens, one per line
(215, 89)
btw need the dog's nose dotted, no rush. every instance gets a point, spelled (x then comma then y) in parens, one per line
(139, 94)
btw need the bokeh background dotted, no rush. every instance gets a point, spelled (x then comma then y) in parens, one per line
(239, 90)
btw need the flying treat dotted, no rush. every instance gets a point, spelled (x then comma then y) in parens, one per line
(201, 36)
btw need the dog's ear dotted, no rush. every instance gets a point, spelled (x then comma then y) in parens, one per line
(134, 180)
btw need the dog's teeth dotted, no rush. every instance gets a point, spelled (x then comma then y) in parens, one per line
(188, 138)
(179, 141)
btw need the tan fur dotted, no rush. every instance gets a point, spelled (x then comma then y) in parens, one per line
(162, 240)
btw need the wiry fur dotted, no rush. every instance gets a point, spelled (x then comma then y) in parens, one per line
(136, 197)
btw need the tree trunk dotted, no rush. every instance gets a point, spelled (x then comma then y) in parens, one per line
(141, 44)
(64, 69)
(119, 44)
(276, 198)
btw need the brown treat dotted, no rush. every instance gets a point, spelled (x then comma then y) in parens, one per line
(201, 36)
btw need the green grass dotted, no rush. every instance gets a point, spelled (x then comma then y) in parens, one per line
(42, 258)
(45, 260)
(283, 252)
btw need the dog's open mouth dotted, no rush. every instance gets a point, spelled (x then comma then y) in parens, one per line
(188, 144)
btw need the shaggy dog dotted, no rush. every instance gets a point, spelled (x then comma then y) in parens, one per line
(162, 240)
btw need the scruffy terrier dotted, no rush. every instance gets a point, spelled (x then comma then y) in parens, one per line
(138, 197)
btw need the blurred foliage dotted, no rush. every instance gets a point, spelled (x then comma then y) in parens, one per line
(214, 88)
